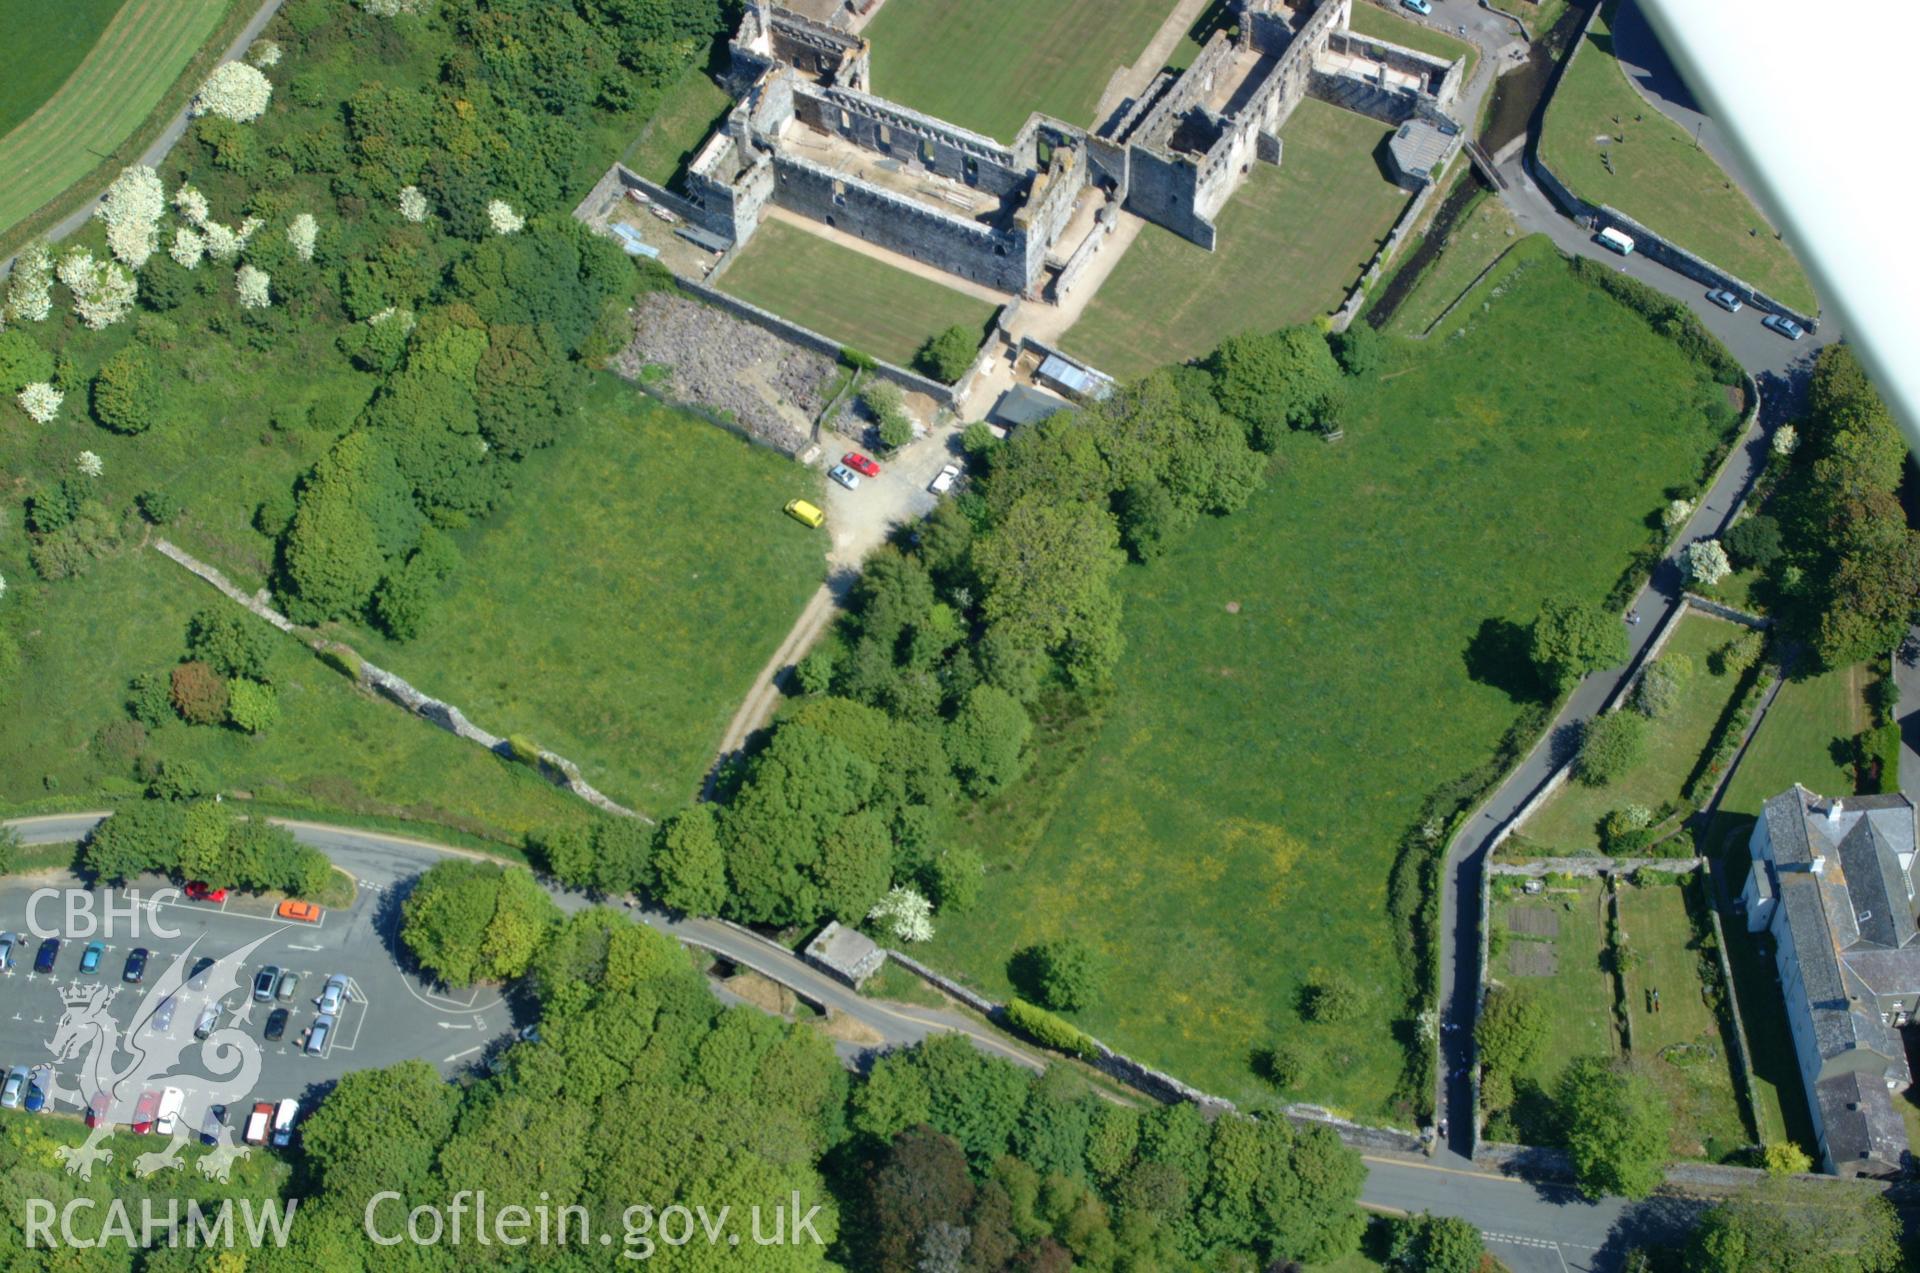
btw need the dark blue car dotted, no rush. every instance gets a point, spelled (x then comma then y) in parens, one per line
(136, 969)
(49, 951)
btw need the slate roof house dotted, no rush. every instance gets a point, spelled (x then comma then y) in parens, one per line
(1832, 882)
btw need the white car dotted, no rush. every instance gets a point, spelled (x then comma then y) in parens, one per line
(170, 1102)
(944, 480)
(845, 476)
(283, 1122)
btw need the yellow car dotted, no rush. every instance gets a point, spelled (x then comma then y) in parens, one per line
(806, 514)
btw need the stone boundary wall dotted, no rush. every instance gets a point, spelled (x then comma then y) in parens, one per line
(1594, 867)
(1745, 1076)
(1721, 610)
(1389, 248)
(1652, 245)
(1077, 263)
(557, 768)
(627, 179)
(807, 338)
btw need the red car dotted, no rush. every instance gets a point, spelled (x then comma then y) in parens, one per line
(860, 464)
(198, 891)
(97, 1109)
(143, 1112)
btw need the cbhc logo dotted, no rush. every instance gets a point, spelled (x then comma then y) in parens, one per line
(88, 915)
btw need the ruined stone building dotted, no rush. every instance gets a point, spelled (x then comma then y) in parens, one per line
(808, 135)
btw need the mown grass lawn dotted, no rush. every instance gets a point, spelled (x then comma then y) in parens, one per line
(1477, 240)
(1570, 820)
(618, 607)
(132, 64)
(1605, 141)
(1685, 1047)
(44, 44)
(1807, 738)
(335, 747)
(988, 64)
(688, 112)
(1551, 946)
(1295, 683)
(1292, 241)
(856, 299)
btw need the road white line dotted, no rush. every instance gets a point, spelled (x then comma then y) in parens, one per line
(478, 1047)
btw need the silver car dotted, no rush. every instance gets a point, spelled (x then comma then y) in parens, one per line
(317, 1034)
(334, 995)
(1725, 300)
(16, 1087)
(845, 476)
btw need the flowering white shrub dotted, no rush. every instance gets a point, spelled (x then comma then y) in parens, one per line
(264, 53)
(3, 585)
(392, 313)
(413, 204)
(191, 204)
(253, 285)
(244, 234)
(89, 464)
(30, 291)
(302, 233)
(132, 209)
(1706, 562)
(905, 913)
(392, 8)
(1786, 440)
(41, 401)
(1676, 514)
(189, 246)
(221, 243)
(503, 218)
(103, 291)
(234, 91)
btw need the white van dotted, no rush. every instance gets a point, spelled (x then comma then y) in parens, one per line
(171, 1101)
(1614, 241)
(283, 1122)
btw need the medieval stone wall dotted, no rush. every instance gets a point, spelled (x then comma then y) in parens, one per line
(889, 129)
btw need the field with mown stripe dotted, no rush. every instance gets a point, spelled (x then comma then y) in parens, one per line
(116, 86)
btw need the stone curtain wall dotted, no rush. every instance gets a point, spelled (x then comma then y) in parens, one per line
(556, 768)
(1389, 248)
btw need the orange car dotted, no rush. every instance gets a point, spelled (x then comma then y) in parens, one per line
(294, 908)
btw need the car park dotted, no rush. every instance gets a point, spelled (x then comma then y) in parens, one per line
(14, 1090)
(1785, 326)
(38, 1081)
(283, 1122)
(845, 476)
(943, 480)
(171, 1102)
(289, 983)
(209, 1020)
(259, 1123)
(860, 464)
(333, 996)
(144, 1112)
(90, 957)
(135, 971)
(264, 982)
(1725, 300)
(276, 1025)
(48, 952)
(8, 941)
(214, 1125)
(317, 1035)
(200, 891)
(294, 908)
(163, 1015)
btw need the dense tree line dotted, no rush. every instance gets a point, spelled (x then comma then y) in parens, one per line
(194, 838)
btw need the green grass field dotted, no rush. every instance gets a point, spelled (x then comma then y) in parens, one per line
(1370, 20)
(1570, 820)
(44, 44)
(116, 86)
(335, 749)
(1658, 175)
(620, 605)
(1805, 738)
(1233, 819)
(1477, 240)
(1553, 947)
(688, 112)
(847, 295)
(1684, 1047)
(988, 64)
(1292, 241)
